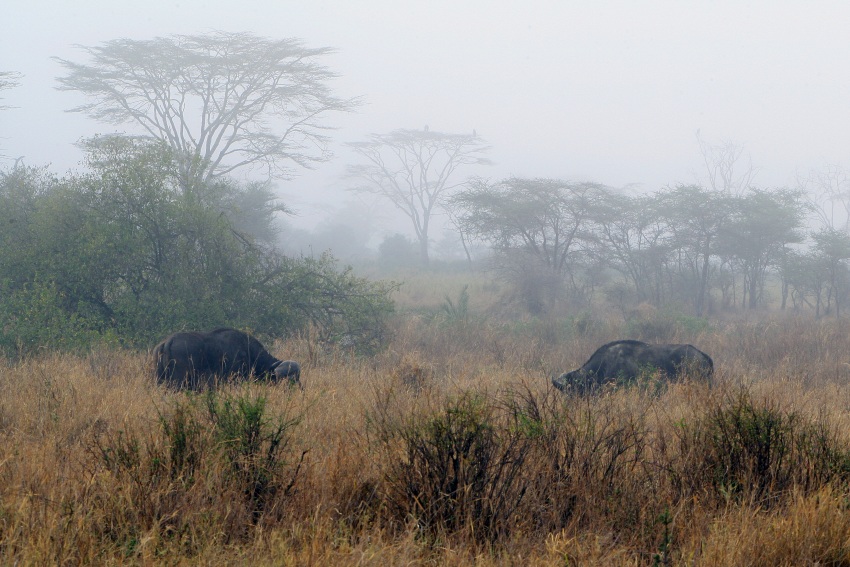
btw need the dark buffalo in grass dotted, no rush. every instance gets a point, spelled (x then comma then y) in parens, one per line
(196, 361)
(630, 362)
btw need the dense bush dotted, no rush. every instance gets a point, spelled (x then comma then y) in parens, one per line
(461, 470)
(124, 252)
(485, 466)
(398, 251)
(741, 448)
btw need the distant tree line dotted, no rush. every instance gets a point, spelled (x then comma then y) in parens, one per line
(156, 235)
(698, 249)
(121, 252)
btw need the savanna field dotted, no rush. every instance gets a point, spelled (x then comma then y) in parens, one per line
(427, 390)
(447, 447)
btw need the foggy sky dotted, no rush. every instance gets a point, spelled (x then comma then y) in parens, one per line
(611, 92)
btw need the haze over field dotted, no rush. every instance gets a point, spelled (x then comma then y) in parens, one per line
(631, 345)
(612, 92)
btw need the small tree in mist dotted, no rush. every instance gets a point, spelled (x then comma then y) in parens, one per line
(728, 167)
(397, 251)
(695, 218)
(343, 232)
(760, 228)
(415, 170)
(541, 230)
(828, 192)
(832, 248)
(221, 101)
(631, 238)
(820, 273)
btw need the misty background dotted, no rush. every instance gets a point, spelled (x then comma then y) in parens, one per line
(609, 92)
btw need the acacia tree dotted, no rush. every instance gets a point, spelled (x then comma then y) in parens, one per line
(415, 170)
(221, 101)
(756, 236)
(695, 218)
(631, 237)
(539, 228)
(831, 251)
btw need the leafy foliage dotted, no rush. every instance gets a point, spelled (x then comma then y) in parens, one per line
(123, 251)
(397, 251)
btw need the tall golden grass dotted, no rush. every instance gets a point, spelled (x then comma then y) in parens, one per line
(449, 447)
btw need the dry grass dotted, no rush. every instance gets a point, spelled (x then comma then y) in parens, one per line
(450, 447)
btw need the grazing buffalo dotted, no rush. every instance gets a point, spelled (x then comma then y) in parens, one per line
(195, 361)
(627, 362)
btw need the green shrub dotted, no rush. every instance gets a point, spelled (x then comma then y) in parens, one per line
(124, 252)
(665, 325)
(750, 449)
(256, 446)
(398, 251)
(457, 311)
(589, 462)
(185, 442)
(35, 317)
(461, 469)
(226, 454)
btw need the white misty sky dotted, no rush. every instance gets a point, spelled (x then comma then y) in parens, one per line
(611, 92)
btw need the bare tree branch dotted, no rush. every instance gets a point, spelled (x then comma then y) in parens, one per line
(828, 191)
(728, 169)
(8, 80)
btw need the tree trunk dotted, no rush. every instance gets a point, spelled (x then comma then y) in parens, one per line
(423, 250)
(754, 296)
(703, 286)
(465, 249)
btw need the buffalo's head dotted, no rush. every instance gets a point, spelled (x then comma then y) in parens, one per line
(575, 382)
(288, 370)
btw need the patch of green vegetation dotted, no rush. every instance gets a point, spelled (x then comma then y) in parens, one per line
(665, 325)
